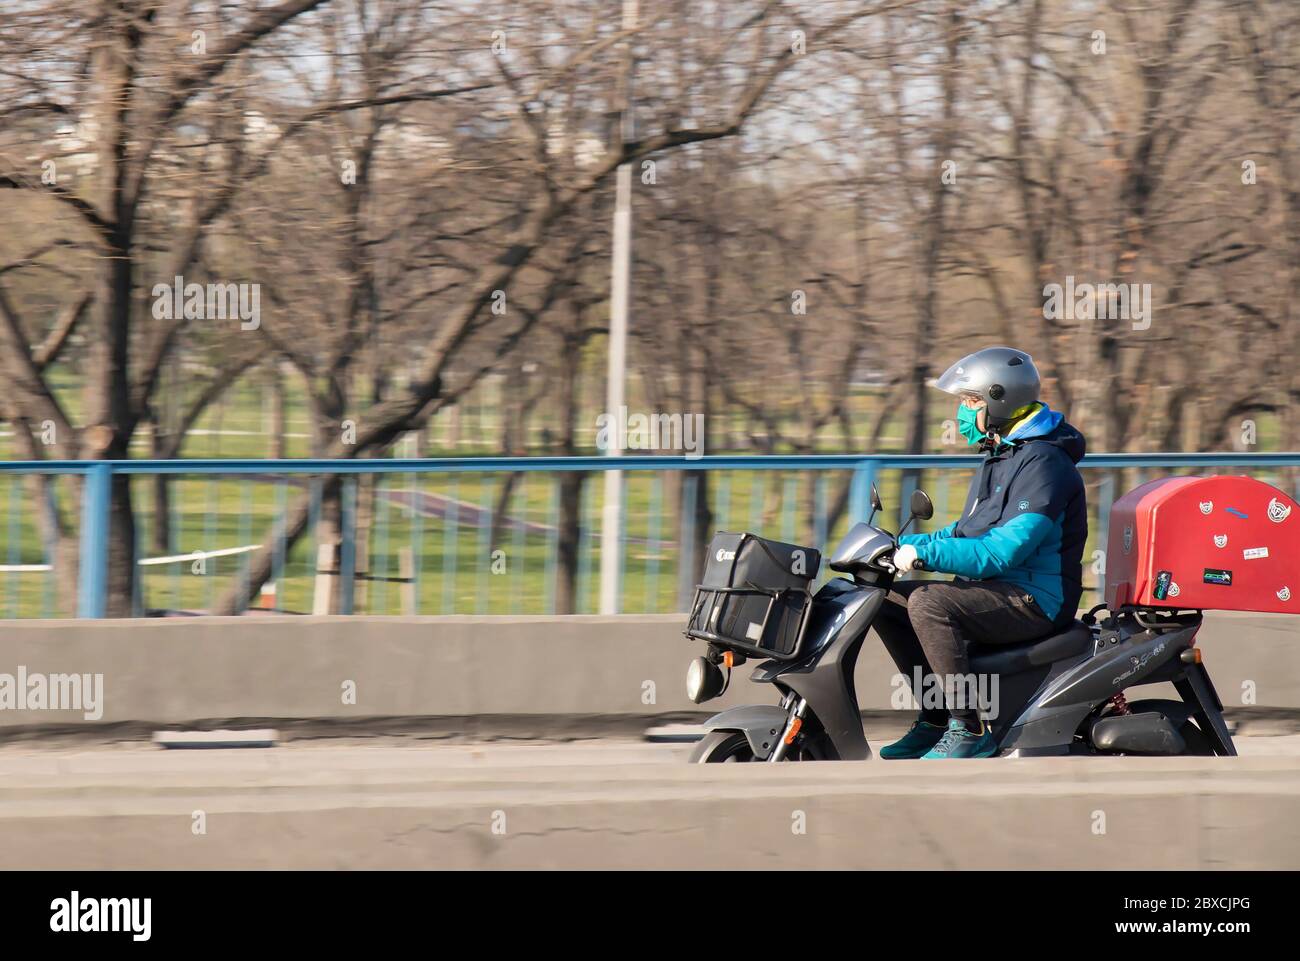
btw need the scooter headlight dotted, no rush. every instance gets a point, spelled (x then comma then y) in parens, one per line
(703, 680)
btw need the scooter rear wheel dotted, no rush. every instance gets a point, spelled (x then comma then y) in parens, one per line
(721, 747)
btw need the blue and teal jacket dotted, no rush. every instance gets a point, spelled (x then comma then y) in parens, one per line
(1025, 520)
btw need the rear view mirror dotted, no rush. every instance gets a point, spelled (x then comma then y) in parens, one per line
(875, 499)
(920, 505)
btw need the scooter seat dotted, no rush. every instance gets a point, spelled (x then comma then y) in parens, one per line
(1074, 641)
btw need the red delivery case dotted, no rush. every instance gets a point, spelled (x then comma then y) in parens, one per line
(1207, 543)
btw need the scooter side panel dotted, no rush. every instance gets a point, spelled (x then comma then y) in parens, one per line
(1049, 725)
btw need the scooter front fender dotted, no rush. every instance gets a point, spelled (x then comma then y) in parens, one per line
(761, 724)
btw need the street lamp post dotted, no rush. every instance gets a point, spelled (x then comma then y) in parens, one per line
(611, 542)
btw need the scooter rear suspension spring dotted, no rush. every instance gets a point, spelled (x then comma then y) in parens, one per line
(1120, 704)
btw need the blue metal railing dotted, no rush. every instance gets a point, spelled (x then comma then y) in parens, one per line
(862, 472)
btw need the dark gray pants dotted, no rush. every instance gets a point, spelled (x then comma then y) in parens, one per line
(928, 624)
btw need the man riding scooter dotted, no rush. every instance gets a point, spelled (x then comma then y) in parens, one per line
(1016, 551)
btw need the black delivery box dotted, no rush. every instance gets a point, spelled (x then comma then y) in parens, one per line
(755, 595)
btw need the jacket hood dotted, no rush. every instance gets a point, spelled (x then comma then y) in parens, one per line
(1049, 426)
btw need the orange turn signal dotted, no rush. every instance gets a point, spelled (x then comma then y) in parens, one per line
(729, 658)
(794, 729)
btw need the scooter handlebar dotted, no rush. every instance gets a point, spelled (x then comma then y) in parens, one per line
(917, 563)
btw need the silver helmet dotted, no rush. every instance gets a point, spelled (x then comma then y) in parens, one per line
(1003, 377)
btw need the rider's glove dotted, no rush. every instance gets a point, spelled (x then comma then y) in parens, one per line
(904, 558)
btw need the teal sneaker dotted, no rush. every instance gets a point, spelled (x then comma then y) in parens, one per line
(920, 737)
(959, 742)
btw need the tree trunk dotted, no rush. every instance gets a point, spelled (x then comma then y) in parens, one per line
(703, 518)
(568, 538)
(329, 523)
(568, 541)
(238, 597)
(43, 490)
(511, 408)
(110, 419)
(160, 534)
(276, 386)
(121, 550)
(500, 511)
(329, 536)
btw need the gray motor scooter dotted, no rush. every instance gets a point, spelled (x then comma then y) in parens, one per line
(1061, 694)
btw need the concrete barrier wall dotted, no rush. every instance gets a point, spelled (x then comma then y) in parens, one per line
(177, 671)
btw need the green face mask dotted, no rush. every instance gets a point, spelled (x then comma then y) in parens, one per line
(967, 423)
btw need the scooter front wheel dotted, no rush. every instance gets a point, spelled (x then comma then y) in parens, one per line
(721, 747)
